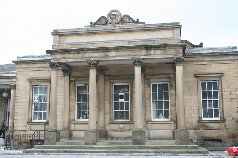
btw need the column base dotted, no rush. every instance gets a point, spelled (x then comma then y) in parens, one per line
(182, 136)
(51, 137)
(138, 137)
(90, 138)
(101, 134)
(64, 135)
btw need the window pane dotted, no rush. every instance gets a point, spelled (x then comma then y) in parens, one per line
(209, 85)
(215, 86)
(121, 106)
(127, 115)
(215, 94)
(210, 113)
(166, 105)
(154, 96)
(205, 114)
(116, 97)
(126, 105)
(84, 97)
(160, 88)
(204, 94)
(116, 105)
(44, 115)
(166, 96)
(204, 105)
(126, 96)
(160, 105)
(215, 104)
(209, 93)
(203, 86)
(160, 114)
(36, 107)
(209, 106)
(165, 87)
(126, 88)
(166, 113)
(216, 113)
(160, 96)
(154, 87)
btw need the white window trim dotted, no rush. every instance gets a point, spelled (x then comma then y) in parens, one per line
(32, 102)
(76, 106)
(219, 107)
(163, 119)
(128, 101)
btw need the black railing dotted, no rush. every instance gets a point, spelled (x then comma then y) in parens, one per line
(17, 140)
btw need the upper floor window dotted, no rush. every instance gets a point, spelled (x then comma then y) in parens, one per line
(160, 101)
(39, 106)
(82, 109)
(210, 100)
(121, 101)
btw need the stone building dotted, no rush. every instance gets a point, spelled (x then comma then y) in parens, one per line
(120, 78)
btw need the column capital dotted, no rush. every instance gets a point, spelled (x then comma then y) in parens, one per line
(13, 86)
(101, 70)
(137, 61)
(179, 60)
(54, 65)
(92, 64)
(65, 69)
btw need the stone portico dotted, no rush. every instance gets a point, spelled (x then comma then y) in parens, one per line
(123, 79)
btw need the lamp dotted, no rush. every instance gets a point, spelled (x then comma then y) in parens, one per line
(5, 94)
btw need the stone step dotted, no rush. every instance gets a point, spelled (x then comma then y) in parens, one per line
(124, 151)
(112, 147)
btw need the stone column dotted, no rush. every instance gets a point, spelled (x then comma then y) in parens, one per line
(101, 104)
(12, 107)
(138, 135)
(90, 137)
(52, 135)
(181, 135)
(64, 134)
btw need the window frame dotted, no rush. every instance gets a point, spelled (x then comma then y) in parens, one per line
(169, 100)
(33, 103)
(218, 100)
(76, 103)
(38, 82)
(129, 111)
(210, 77)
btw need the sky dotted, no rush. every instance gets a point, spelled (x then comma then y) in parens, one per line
(26, 25)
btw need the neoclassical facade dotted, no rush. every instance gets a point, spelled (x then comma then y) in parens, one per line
(120, 78)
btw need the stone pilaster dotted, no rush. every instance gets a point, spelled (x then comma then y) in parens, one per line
(52, 135)
(90, 136)
(138, 135)
(64, 134)
(101, 104)
(181, 134)
(12, 107)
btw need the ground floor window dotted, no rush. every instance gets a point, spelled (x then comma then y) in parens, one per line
(121, 101)
(40, 94)
(82, 109)
(160, 101)
(210, 100)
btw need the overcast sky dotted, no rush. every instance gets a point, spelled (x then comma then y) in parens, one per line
(26, 25)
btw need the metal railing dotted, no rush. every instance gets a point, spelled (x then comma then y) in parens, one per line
(17, 140)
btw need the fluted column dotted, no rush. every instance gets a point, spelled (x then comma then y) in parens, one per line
(138, 135)
(101, 103)
(92, 94)
(65, 131)
(53, 106)
(179, 93)
(181, 134)
(139, 115)
(12, 107)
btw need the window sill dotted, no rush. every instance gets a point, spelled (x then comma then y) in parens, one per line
(160, 121)
(37, 123)
(121, 122)
(211, 121)
(79, 122)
